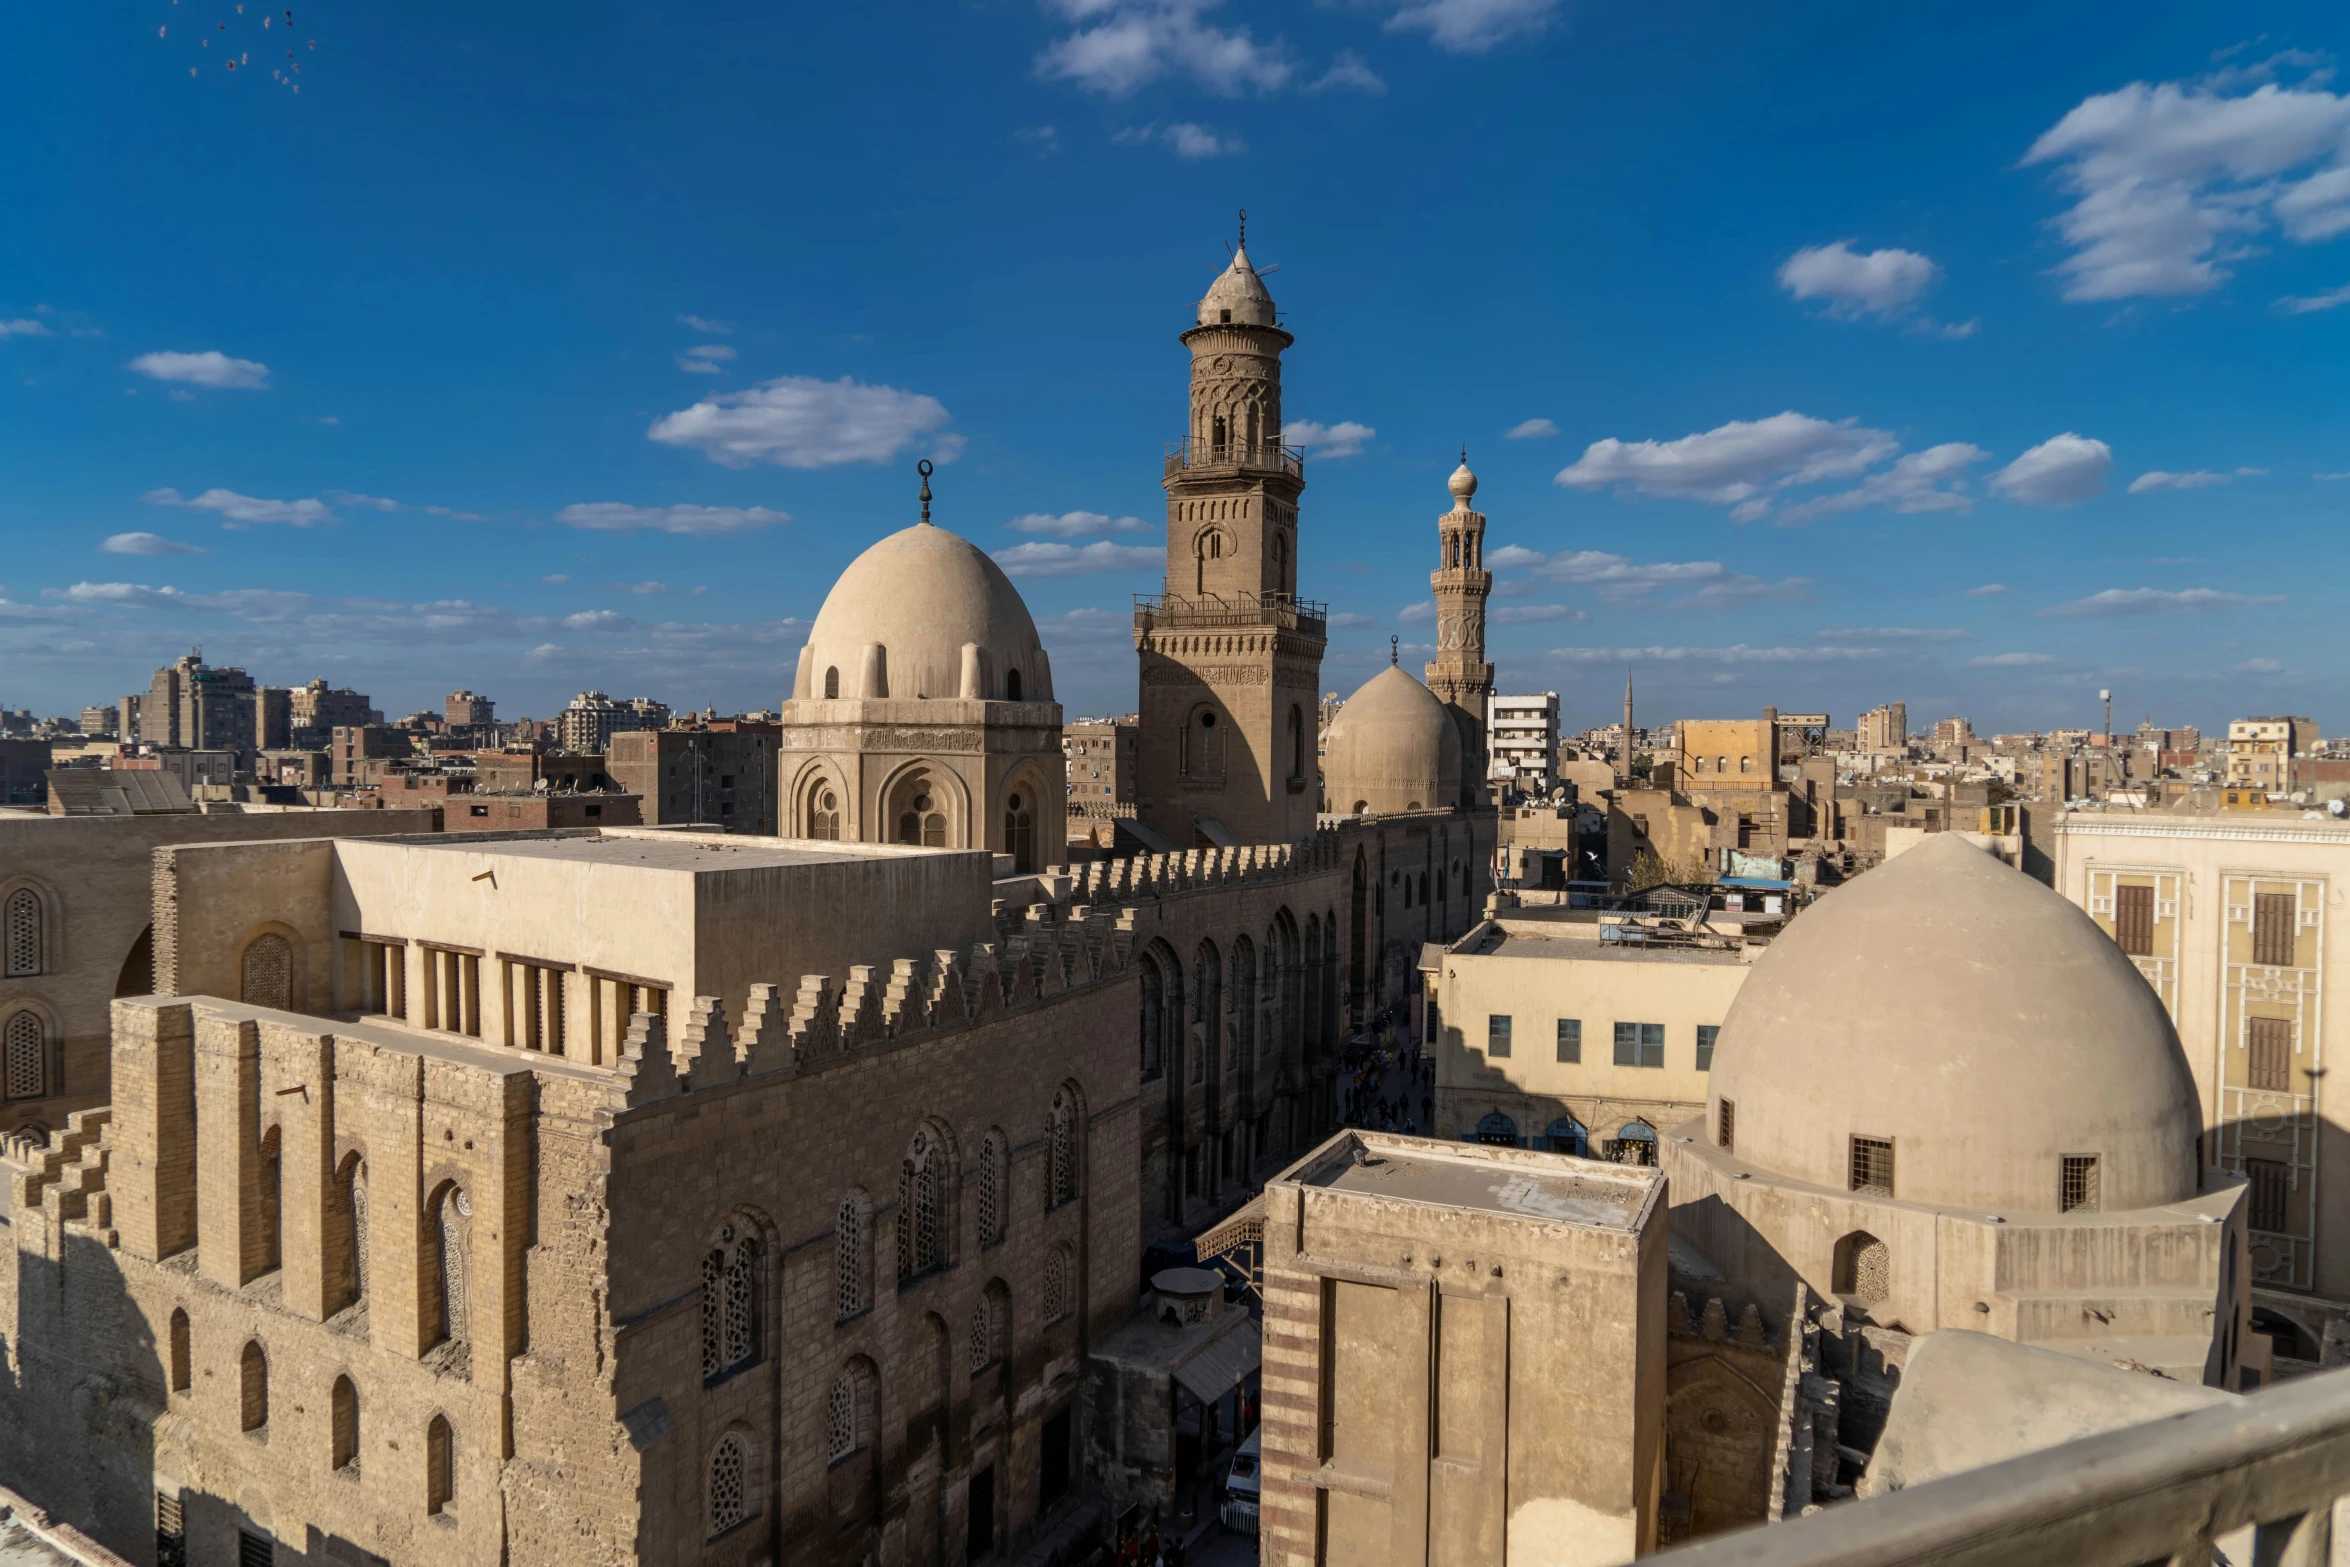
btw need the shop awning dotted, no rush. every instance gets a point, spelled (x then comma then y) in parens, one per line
(1224, 1362)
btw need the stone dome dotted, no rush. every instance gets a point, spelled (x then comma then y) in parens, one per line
(1237, 289)
(924, 613)
(1463, 483)
(1392, 747)
(1978, 1021)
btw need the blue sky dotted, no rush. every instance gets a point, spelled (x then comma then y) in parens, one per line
(533, 348)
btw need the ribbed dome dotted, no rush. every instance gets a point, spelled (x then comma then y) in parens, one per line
(1392, 747)
(922, 596)
(1237, 289)
(1981, 1023)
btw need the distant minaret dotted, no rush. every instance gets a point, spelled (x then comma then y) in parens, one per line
(1459, 674)
(1627, 726)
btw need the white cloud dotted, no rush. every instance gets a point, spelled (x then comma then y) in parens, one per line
(2176, 180)
(1927, 481)
(557, 577)
(1075, 524)
(2330, 476)
(2255, 666)
(1120, 46)
(1044, 138)
(23, 328)
(1351, 620)
(2304, 304)
(705, 325)
(1474, 26)
(639, 587)
(2116, 602)
(1737, 653)
(1533, 614)
(1530, 430)
(147, 544)
(246, 510)
(704, 358)
(1188, 138)
(1880, 283)
(2198, 480)
(597, 620)
(1074, 560)
(2063, 470)
(1343, 439)
(1349, 72)
(1733, 464)
(544, 652)
(1988, 590)
(2009, 660)
(1892, 634)
(461, 516)
(691, 521)
(210, 368)
(796, 421)
(1418, 612)
(368, 502)
(1694, 584)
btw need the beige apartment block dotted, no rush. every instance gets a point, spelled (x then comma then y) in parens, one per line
(1549, 1036)
(1465, 1357)
(2228, 918)
(2261, 751)
(76, 911)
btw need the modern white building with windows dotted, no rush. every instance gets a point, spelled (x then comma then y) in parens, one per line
(1522, 740)
(1570, 1035)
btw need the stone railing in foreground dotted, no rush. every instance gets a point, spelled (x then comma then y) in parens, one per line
(2268, 1470)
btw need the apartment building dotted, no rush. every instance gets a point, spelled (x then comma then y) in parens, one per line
(1521, 738)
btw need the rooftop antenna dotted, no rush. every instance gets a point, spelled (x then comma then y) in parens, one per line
(923, 468)
(1394, 650)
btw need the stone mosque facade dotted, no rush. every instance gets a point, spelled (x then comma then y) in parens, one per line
(639, 1195)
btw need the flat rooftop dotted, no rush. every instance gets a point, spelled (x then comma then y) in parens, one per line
(1552, 1188)
(661, 850)
(1585, 946)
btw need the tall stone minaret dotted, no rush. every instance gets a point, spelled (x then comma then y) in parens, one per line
(1231, 657)
(1627, 751)
(1459, 674)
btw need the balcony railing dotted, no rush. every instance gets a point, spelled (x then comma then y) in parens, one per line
(1216, 611)
(1259, 456)
(2143, 1496)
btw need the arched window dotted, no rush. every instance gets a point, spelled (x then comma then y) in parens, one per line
(921, 1220)
(730, 1304)
(1440, 893)
(730, 1499)
(343, 1424)
(1062, 1171)
(851, 1261)
(23, 942)
(987, 1327)
(440, 1466)
(992, 1181)
(1203, 745)
(1020, 831)
(832, 683)
(1423, 888)
(1863, 1268)
(1498, 1129)
(182, 1371)
(272, 1185)
(1057, 1271)
(253, 1386)
(1297, 743)
(451, 1211)
(850, 1417)
(1011, 685)
(268, 974)
(1154, 1000)
(1635, 1143)
(1566, 1135)
(24, 1056)
(355, 1211)
(823, 813)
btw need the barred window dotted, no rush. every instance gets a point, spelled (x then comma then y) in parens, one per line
(1056, 1284)
(1726, 1126)
(849, 1261)
(456, 1209)
(2271, 1181)
(24, 933)
(729, 1494)
(984, 1329)
(848, 1413)
(921, 1222)
(1063, 1172)
(171, 1531)
(730, 1304)
(1872, 1165)
(991, 1189)
(24, 1051)
(357, 1197)
(268, 978)
(2078, 1184)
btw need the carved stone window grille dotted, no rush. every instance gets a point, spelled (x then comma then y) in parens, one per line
(983, 1334)
(921, 1221)
(1063, 1169)
(456, 1208)
(1056, 1284)
(848, 1258)
(991, 1189)
(358, 1202)
(268, 978)
(729, 1494)
(840, 1418)
(24, 933)
(24, 1048)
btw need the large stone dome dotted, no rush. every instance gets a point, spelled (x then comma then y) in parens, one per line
(944, 618)
(1392, 747)
(1976, 1020)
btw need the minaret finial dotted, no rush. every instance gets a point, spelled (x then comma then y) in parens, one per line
(1464, 454)
(1394, 651)
(1244, 228)
(923, 468)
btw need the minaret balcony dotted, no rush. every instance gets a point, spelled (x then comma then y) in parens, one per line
(1210, 459)
(1226, 611)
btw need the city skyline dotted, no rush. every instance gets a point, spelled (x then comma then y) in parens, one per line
(422, 393)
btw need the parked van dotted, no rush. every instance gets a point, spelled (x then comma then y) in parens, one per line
(1240, 1484)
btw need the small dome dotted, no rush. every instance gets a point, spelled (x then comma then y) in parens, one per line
(1463, 483)
(1392, 747)
(923, 596)
(1239, 290)
(1978, 1021)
